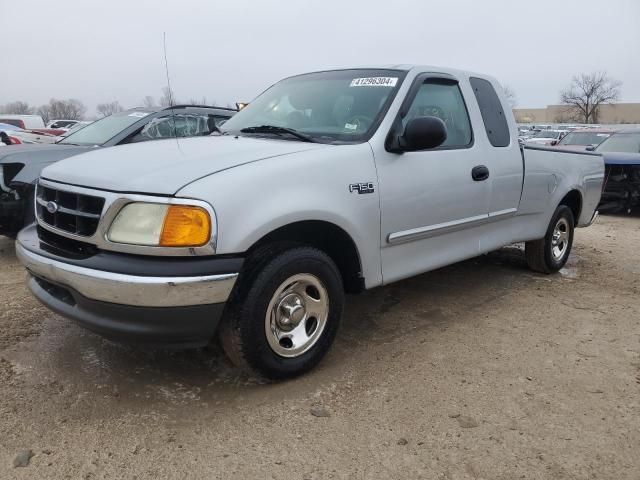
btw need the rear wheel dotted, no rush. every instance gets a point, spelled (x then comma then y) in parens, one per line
(285, 314)
(549, 254)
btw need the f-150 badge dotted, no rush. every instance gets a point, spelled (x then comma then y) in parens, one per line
(366, 187)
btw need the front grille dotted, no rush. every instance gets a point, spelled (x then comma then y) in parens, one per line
(65, 247)
(70, 212)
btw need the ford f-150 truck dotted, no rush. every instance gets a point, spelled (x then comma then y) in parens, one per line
(328, 182)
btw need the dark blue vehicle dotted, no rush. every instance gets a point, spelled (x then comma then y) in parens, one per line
(621, 190)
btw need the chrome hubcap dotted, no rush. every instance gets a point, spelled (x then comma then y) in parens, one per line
(297, 315)
(560, 239)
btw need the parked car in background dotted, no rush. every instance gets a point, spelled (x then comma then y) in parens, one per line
(621, 152)
(8, 127)
(568, 128)
(34, 136)
(61, 123)
(546, 137)
(6, 135)
(26, 122)
(328, 183)
(583, 138)
(20, 165)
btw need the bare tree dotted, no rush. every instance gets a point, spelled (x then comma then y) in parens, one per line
(17, 108)
(148, 101)
(70, 109)
(109, 108)
(587, 92)
(511, 95)
(196, 101)
(167, 99)
(45, 112)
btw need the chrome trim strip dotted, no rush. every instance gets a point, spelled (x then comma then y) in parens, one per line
(70, 211)
(130, 289)
(448, 227)
(433, 230)
(113, 203)
(503, 213)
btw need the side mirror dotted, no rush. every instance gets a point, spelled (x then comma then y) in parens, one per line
(422, 133)
(554, 143)
(590, 148)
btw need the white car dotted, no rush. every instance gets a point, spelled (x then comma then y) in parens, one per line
(61, 123)
(546, 137)
(22, 121)
(32, 136)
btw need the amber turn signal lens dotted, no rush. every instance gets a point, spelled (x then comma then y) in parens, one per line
(185, 226)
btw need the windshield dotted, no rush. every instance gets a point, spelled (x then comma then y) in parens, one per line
(74, 129)
(337, 106)
(584, 138)
(547, 134)
(103, 130)
(622, 143)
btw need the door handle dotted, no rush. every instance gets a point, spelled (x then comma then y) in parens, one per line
(480, 173)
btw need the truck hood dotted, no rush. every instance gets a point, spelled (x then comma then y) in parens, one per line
(42, 154)
(36, 157)
(163, 167)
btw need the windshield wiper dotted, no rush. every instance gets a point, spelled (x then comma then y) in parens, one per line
(278, 130)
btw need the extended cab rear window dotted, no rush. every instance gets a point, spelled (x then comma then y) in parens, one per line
(495, 121)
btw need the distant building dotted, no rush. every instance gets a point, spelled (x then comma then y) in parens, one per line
(608, 113)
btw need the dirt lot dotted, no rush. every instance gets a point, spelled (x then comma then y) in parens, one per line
(479, 370)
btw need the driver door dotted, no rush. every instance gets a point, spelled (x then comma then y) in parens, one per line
(430, 204)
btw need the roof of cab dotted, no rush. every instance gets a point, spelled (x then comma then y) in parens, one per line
(408, 67)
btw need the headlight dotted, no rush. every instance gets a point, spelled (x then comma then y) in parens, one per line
(159, 225)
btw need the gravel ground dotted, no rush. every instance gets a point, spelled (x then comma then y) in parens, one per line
(481, 370)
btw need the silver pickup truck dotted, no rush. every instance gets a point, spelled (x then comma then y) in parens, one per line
(328, 182)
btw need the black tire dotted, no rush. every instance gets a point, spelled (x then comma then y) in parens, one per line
(243, 331)
(540, 253)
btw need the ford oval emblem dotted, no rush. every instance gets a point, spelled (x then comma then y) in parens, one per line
(52, 207)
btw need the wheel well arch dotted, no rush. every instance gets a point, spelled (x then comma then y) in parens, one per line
(326, 236)
(573, 200)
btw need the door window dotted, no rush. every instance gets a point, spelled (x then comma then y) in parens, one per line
(495, 121)
(436, 98)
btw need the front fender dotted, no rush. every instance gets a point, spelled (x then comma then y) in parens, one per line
(255, 199)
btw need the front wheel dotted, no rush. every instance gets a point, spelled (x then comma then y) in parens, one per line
(286, 314)
(549, 254)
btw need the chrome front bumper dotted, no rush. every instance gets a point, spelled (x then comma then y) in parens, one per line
(130, 289)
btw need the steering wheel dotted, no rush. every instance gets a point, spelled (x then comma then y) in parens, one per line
(433, 111)
(358, 123)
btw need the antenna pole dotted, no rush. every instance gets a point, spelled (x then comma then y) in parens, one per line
(166, 69)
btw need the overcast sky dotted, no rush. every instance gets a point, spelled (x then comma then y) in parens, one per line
(231, 50)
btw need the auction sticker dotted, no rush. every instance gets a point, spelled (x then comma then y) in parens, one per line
(374, 82)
